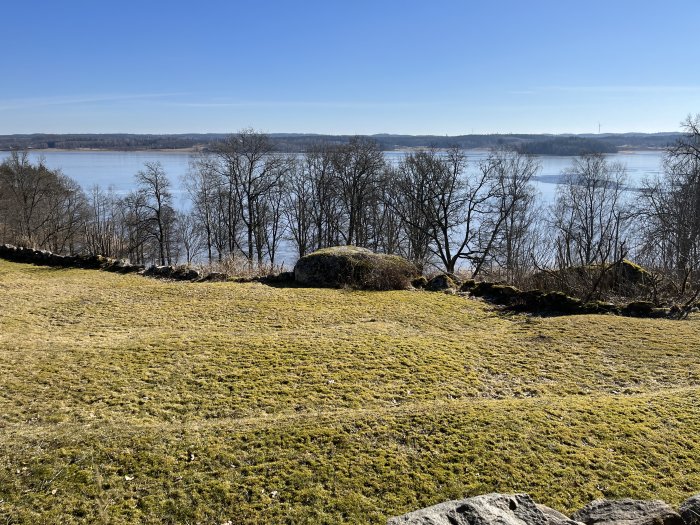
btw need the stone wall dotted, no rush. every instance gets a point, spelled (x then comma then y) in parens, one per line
(94, 262)
(47, 258)
(107, 264)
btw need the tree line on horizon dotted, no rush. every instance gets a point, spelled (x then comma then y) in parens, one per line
(433, 207)
(540, 144)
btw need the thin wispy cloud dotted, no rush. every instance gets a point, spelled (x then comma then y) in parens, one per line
(297, 104)
(618, 89)
(35, 102)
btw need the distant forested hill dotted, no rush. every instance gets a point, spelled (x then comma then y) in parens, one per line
(566, 146)
(536, 144)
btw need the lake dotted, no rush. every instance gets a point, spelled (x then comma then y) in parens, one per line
(116, 169)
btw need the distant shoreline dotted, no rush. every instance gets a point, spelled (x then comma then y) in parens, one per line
(112, 150)
(187, 151)
(537, 144)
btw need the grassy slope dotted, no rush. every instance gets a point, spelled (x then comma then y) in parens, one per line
(260, 405)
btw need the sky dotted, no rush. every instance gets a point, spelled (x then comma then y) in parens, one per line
(442, 67)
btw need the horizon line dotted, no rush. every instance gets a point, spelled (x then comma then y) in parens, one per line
(379, 134)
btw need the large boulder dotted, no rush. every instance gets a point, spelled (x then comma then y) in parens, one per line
(490, 509)
(690, 510)
(353, 267)
(627, 512)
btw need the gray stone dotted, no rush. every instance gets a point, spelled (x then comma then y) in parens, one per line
(690, 510)
(490, 509)
(554, 517)
(627, 512)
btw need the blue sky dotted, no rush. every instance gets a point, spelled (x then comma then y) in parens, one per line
(428, 67)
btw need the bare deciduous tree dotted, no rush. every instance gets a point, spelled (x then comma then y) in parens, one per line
(590, 214)
(190, 235)
(509, 227)
(455, 214)
(672, 207)
(252, 171)
(154, 188)
(357, 167)
(40, 207)
(210, 204)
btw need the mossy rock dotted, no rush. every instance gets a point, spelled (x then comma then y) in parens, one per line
(625, 278)
(468, 285)
(278, 279)
(122, 266)
(532, 296)
(560, 303)
(441, 283)
(632, 273)
(497, 293)
(177, 273)
(214, 277)
(481, 289)
(353, 267)
(639, 309)
(600, 307)
(419, 282)
(185, 273)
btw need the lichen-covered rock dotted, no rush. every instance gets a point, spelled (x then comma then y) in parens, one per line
(441, 283)
(490, 509)
(350, 266)
(690, 510)
(627, 512)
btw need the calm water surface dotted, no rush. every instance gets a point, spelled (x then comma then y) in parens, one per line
(116, 169)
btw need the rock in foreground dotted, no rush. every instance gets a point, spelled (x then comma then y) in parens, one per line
(490, 509)
(690, 510)
(349, 266)
(627, 512)
(554, 517)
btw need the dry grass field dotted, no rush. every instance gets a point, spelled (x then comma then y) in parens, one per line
(130, 400)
